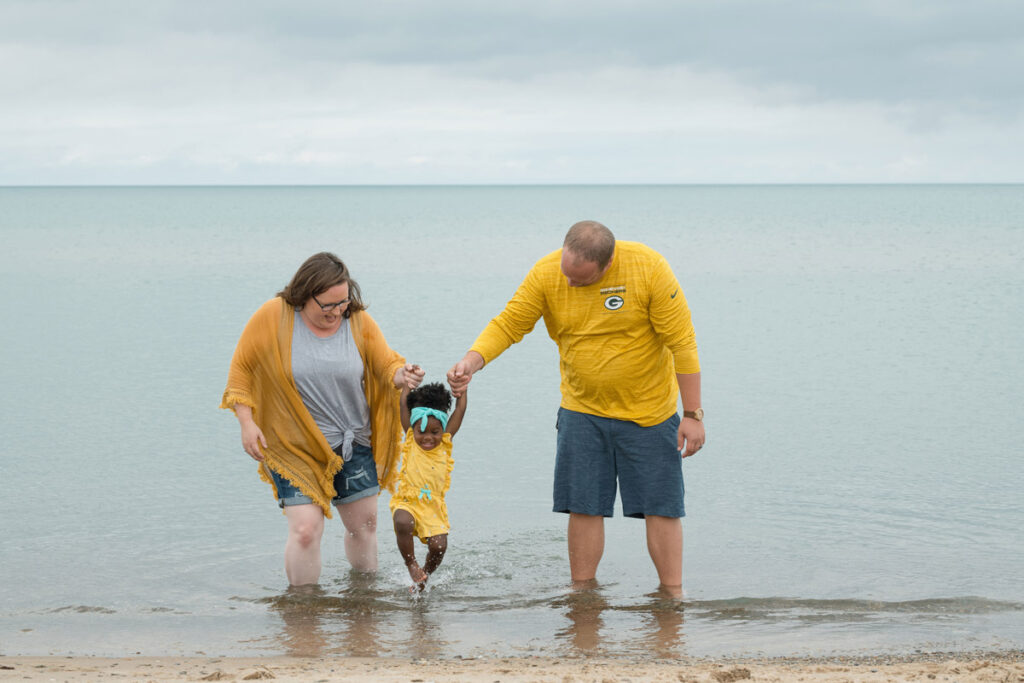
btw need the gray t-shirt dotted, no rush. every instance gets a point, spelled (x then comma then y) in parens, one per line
(328, 372)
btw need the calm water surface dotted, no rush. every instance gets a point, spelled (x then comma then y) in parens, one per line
(860, 491)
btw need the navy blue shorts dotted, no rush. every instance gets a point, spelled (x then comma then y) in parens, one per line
(595, 451)
(357, 479)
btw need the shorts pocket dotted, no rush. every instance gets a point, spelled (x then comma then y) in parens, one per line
(360, 476)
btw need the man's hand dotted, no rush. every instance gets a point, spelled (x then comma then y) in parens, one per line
(462, 372)
(691, 436)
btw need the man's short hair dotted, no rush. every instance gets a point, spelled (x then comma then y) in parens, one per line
(591, 241)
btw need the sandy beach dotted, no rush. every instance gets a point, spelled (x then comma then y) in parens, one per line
(998, 666)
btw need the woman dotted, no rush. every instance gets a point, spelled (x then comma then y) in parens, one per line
(315, 388)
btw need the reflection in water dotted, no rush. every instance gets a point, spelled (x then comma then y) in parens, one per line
(317, 623)
(369, 616)
(665, 637)
(362, 620)
(423, 641)
(303, 635)
(661, 623)
(583, 607)
(359, 614)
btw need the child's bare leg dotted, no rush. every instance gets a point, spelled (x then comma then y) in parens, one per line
(436, 547)
(405, 528)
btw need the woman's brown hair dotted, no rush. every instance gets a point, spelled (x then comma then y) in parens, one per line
(319, 273)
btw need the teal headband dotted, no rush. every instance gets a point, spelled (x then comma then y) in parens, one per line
(421, 413)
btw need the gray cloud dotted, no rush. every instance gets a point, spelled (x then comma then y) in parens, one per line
(570, 91)
(868, 50)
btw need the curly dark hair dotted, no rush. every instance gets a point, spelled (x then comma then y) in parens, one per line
(434, 395)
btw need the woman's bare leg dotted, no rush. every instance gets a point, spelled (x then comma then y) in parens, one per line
(302, 549)
(360, 520)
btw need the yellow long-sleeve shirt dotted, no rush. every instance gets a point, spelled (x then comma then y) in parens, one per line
(621, 341)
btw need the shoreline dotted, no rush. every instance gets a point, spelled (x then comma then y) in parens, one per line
(961, 666)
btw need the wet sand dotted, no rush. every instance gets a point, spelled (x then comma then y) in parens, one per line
(996, 666)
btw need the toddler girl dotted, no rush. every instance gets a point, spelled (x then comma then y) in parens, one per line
(418, 505)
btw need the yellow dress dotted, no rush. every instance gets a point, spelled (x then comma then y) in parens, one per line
(422, 483)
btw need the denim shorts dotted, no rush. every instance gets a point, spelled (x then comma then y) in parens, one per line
(357, 479)
(595, 451)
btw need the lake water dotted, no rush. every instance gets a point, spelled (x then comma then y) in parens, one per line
(862, 369)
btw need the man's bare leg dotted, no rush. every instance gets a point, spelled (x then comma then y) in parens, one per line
(586, 545)
(665, 545)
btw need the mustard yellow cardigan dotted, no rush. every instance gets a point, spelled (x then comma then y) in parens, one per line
(261, 378)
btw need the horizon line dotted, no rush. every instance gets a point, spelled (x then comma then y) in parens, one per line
(499, 185)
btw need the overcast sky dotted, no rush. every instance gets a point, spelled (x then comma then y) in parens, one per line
(450, 91)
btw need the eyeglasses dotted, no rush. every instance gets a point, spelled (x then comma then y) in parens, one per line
(327, 308)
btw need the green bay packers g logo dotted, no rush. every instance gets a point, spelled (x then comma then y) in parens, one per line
(613, 303)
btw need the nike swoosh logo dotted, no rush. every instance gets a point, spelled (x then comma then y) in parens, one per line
(673, 294)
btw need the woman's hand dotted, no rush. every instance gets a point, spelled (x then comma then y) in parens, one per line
(409, 376)
(252, 435)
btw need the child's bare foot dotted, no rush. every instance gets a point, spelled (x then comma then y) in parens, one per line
(418, 576)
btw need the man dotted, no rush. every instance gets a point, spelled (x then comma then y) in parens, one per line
(627, 350)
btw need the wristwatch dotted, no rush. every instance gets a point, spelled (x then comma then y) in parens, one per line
(697, 415)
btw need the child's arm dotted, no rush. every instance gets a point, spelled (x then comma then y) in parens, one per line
(405, 407)
(455, 419)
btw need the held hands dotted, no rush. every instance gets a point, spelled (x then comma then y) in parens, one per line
(409, 377)
(462, 372)
(691, 436)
